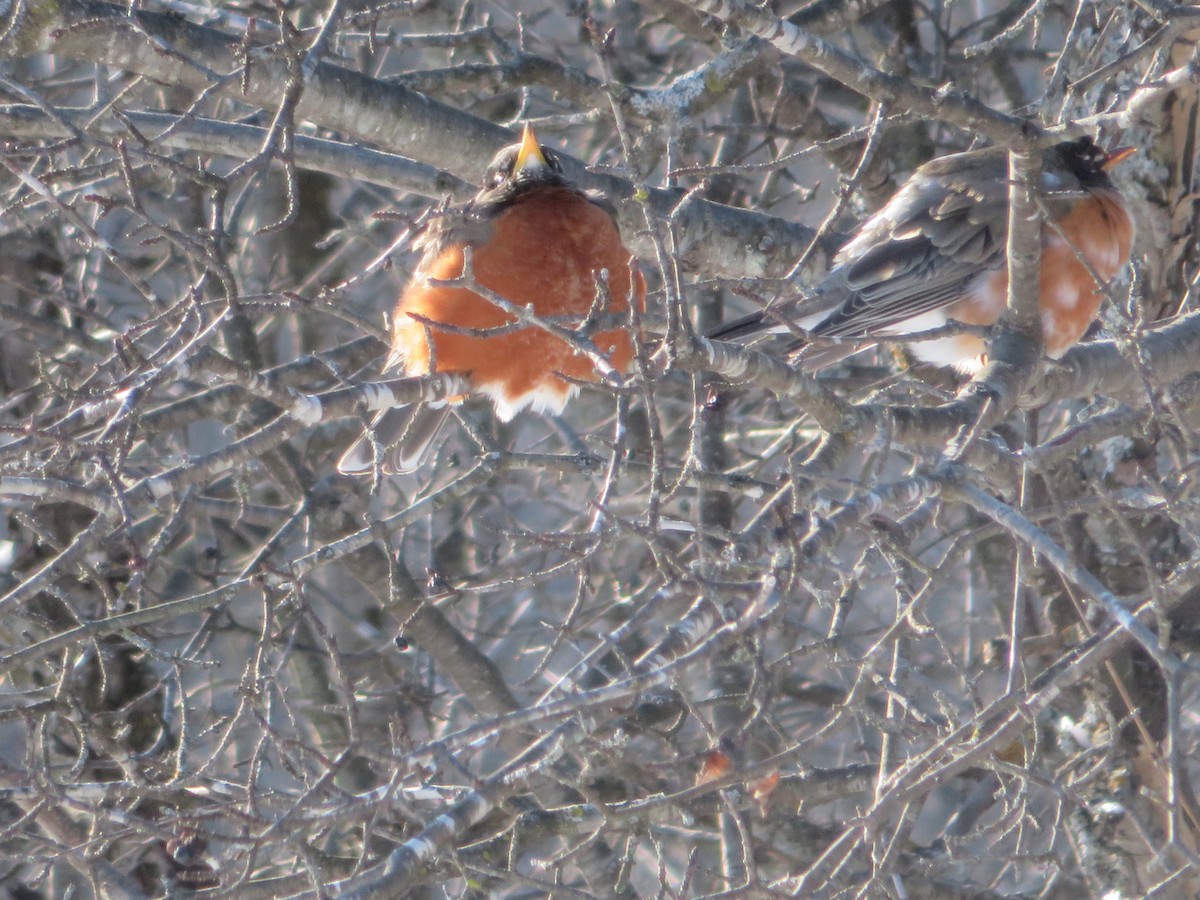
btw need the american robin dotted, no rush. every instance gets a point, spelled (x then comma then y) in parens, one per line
(536, 241)
(936, 252)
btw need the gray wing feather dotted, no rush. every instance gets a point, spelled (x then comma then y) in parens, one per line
(917, 254)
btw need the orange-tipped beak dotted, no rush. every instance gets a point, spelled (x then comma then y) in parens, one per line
(530, 155)
(1118, 155)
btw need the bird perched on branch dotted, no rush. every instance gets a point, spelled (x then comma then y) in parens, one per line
(935, 253)
(537, 245)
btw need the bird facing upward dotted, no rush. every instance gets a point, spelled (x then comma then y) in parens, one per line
(538, 242)
(935, 252)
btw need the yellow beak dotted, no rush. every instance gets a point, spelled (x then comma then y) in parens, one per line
(529, 157)
(1116, 156)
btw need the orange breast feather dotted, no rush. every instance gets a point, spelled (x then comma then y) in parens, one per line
(544, 252)
(1097, 229)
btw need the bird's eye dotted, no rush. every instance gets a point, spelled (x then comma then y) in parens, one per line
(497, 178)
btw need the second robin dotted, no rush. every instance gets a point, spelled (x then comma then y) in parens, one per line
(536, 241)
(935, 253)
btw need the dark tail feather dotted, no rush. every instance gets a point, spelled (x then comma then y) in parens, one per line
(728, 331)
(810, 357)
(813, 357)
(407, 436)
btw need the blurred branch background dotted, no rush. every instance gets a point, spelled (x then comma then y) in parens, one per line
(711, 636)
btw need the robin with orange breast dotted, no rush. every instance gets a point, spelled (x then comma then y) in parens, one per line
(935, 253)
(537, 242)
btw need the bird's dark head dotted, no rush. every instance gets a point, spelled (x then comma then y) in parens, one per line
(1086, 159)
(521, 167)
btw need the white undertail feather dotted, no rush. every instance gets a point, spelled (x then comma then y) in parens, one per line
(549, 397)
